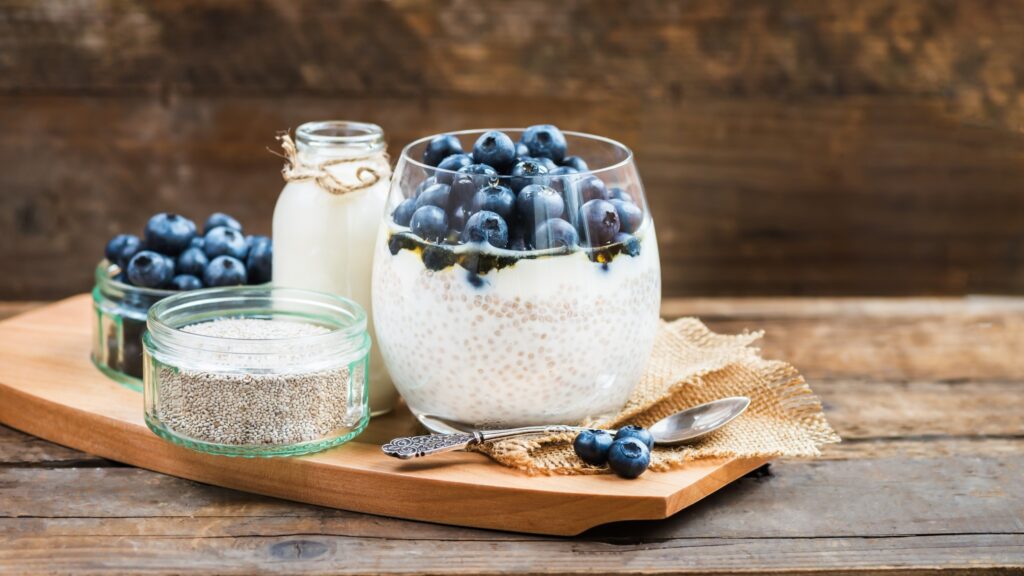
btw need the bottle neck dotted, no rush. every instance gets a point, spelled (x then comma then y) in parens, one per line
(317, 142)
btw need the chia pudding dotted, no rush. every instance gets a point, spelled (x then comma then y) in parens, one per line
(536, 319)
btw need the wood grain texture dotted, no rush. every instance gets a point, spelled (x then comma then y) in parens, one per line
(899, 340)
(887, 496)
(301, 554)
(788, 147)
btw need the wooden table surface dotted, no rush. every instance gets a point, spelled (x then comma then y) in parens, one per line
(928, 395)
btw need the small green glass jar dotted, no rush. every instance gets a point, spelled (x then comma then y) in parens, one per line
(119, 321)
(256, 371)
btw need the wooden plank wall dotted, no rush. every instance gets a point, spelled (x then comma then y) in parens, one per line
(788, 146)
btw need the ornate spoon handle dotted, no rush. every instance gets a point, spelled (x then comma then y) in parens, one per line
(417, 446)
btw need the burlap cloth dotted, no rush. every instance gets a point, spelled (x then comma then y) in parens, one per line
(691, 365)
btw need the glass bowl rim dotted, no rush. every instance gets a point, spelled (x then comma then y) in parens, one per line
(406, 157)
(354, 328)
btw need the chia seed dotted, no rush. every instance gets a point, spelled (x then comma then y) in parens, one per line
(255, 403)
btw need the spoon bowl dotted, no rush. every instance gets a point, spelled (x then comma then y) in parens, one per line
(692, 424)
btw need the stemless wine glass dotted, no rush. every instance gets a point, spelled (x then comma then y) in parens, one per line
(525, 297)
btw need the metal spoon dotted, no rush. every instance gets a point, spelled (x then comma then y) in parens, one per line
(682, 427)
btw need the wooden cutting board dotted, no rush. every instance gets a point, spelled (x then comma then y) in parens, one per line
(49, 388)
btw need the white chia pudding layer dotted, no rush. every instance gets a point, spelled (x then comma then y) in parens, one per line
(554, 339)
(245, 401)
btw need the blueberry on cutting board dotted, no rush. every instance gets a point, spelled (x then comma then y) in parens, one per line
(629, 457)
(592, 446)
(637, 432)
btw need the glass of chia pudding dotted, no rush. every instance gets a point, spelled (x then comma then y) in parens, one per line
(256, 371)
(516, 278)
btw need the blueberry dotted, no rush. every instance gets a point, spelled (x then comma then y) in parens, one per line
(220, 219)
(225, 271)
(599, 222)
(121, 248)
(191, 262)
(252, 239)
(259, 263)
(638, 432)
(495, 149)
(616, 193)
(537, 203)
(555, 232)
(480, 170)
(498, 199)
(525, 173)
(223, 241)
(451, 165)
(592, 446)
(630, 215)
(197, 242)
(403, 213)
(169, 234)
(545, 140)
(436, 195)
(575, 162)
(521, 150)
(630, 243)
(547, 163)
(463, 188)
(427, 183)
(486, 226)
(149, 269)
(629, 457)
(396, 243)
(457, 222)
(438, 257)
(430, 223)
(440, 148)
(561, 178)
(592, 188)
(186, 282)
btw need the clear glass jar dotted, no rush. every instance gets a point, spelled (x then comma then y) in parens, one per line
(256, 371)
(119, 323)
(517, 333)
(323, 239)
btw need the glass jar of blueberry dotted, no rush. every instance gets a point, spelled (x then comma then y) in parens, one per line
(516, 276)
(172, 256)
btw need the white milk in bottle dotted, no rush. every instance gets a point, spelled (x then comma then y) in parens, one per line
(326, 221)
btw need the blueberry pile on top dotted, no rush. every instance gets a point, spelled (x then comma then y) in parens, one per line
(525, 195)
(173, 255)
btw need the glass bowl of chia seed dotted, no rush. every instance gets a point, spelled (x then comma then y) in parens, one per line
(256, 371)
(119, 321)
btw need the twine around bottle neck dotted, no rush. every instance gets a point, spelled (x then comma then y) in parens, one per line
(296, 171)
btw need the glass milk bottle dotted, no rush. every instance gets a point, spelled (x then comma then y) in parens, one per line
(326, 220)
